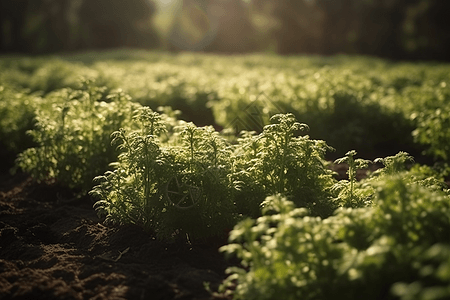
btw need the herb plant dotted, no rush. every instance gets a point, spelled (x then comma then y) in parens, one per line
(377, 104)
(279, 162)
(178, 188)
(349, 195)
(396, 249)
(191, 181)
(16, 117)
(72, 136)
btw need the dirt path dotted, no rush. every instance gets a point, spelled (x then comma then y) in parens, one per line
(54, 249)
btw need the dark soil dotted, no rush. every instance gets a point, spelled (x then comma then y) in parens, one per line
(53, 246)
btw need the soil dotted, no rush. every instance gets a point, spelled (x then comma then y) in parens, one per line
(53, 246)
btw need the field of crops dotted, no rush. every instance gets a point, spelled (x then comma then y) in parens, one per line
(185, 147)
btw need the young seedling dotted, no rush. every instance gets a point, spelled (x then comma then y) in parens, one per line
(348, 195)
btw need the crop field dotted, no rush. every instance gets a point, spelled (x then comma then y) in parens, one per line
(130, 174)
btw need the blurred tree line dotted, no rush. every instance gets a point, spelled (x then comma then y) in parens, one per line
(397, 29)
(40, 26)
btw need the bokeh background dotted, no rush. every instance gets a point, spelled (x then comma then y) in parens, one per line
(394, 29)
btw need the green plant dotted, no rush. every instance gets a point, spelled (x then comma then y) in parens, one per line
(72, 136)
(176, 188)
(16, 117)
(396, 249)
(432, 118)
(285, 254)
(246, 174)
(393, 164)
(278, 162)
(348, 193)
(376, 103)
(192, 181)
(203, 166)
(130, 193)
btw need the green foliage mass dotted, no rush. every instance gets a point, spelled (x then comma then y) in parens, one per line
(278, 162)
(383, 237)
(16, 117)
(190, 180)
(381, 107)
(72, 136)
(398, 248)
(348, 193)
(179, 186)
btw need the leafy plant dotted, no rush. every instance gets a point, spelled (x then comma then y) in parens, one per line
(372, 252)
(204, 167)
(287, 255)
(246, 174)
(73, 135)
(172, 188)
(278, 162)
(377, 104)
(16, 117)
(130, 193)
(431, 117)
(393, 164)
(348, 193)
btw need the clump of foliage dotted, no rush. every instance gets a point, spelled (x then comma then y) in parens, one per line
(433, 130)
(377, 104)
(395, 249)
(73, 136)
(350, 193)
(16, 117)
(176, 187)
(393, 164)
(190, 180)
(279, 162)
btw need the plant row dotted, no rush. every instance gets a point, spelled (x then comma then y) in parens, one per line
(381, 107)
(299, 232)
(396, 248)
(167, 175)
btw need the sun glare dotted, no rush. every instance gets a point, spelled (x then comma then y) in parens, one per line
(166, 2)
